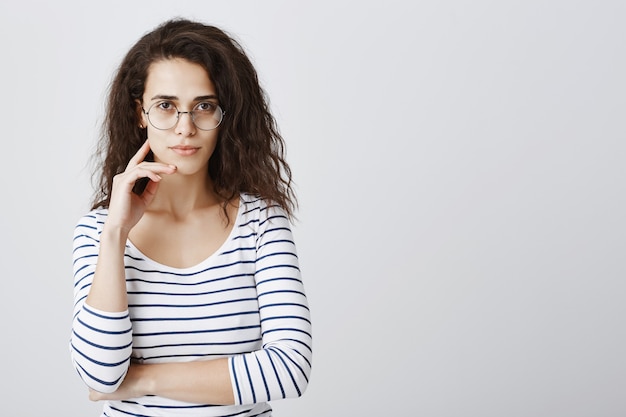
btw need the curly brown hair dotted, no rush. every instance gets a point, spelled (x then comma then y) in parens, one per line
(250, 152)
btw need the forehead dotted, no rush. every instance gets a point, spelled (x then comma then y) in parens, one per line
(179, 78)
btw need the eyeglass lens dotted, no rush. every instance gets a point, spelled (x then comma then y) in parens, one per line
(205, 115)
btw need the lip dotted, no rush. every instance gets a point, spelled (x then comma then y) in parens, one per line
(185, 150)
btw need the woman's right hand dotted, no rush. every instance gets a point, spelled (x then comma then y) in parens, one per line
(125, 207)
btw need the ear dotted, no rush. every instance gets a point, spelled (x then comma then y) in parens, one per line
(143, 120)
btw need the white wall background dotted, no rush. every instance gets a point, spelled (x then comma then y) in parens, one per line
(460, 167)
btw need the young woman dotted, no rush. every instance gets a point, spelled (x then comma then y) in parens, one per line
(188, 297)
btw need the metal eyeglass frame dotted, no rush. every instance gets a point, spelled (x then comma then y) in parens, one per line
(178, 113)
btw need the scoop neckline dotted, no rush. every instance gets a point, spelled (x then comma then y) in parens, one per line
(203, 262)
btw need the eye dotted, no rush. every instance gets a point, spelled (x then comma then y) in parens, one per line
(205, 107)
(166, 107)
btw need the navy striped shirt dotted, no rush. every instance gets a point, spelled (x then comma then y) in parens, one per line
(245, 302)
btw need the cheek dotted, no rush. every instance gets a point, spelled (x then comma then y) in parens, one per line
(157, 144)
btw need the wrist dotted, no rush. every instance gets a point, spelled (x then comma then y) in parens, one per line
(114, 234)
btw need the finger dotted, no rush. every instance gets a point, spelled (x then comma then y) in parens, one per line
(150, 170)
(94, 395)
(126, 180)
(140, 155)
(149, 192)
(156, 167)
(145, 172)
(153, 177)
(153, 172)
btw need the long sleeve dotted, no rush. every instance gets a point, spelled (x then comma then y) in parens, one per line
(245, 302)
(281, 369)
(100, 342)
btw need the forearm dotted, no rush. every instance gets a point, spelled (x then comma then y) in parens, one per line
(108, 289)
(203, 382)
(199, 382)
(101, 341)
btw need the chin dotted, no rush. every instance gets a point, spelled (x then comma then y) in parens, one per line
(188, 170)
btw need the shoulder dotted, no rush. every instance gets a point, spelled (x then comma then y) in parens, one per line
(262, 216)
(256, 207)
(91, 223)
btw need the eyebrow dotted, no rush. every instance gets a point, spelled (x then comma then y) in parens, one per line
(198, 98)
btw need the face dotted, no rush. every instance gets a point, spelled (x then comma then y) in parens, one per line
(179, 84)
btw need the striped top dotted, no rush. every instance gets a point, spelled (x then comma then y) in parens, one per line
(245, 302)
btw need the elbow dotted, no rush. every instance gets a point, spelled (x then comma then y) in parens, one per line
(101, 347)
(104, 376)
(301, 385)
(102, 379)
(296, 371)
(301, 382)
(273, 373)
(104, 388)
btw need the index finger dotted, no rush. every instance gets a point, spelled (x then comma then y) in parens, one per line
(140, 155)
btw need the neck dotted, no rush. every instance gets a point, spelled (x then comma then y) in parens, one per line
(180, 195)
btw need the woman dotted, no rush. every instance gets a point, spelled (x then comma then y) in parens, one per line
(188, 298)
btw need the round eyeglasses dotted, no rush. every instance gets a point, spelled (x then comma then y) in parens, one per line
(164, 115)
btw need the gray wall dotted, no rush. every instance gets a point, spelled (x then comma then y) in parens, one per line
(460, 167)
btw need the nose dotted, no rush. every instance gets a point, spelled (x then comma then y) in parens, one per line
(185, 125)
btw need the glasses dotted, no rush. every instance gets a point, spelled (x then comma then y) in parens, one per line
(164, 115)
